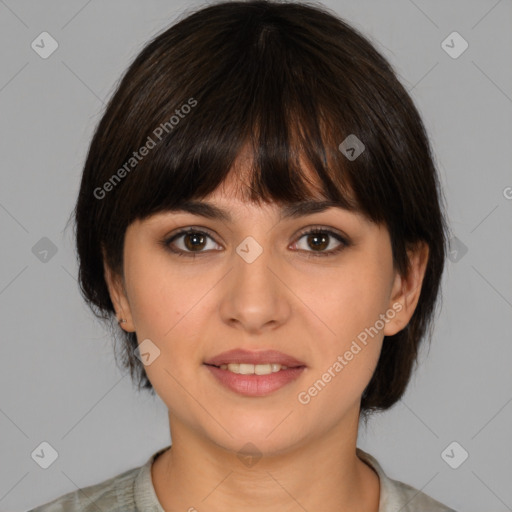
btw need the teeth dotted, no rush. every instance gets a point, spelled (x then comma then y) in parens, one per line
(253, 369)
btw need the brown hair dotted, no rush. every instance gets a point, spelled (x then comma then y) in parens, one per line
(288, 78)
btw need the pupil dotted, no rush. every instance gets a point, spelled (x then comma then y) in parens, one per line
(191, 239)
(316, 237)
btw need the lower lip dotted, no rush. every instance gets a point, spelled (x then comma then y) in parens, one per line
(255, 385)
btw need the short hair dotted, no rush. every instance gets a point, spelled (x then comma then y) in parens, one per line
(285, 79)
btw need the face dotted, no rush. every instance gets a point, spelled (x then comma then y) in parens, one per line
(261, 281)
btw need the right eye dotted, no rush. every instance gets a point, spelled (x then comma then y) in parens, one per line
(192, 241)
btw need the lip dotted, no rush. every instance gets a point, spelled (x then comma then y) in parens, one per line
(239, 355)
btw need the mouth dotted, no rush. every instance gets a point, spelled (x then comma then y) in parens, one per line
(254, 373)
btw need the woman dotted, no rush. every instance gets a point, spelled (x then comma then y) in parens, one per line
(260, 210)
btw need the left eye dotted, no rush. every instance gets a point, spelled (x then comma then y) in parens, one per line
(320, 240)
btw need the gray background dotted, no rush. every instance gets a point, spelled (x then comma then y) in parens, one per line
(59, 382)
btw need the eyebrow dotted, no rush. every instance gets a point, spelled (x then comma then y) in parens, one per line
(291, 210)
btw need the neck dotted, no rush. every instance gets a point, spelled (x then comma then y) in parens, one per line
(325, 475)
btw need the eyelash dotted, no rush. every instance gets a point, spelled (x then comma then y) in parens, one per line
(316, 230)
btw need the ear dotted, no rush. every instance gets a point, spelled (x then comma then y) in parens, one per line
(406, 290)
(119, 298)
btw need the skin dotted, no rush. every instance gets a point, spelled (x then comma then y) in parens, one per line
(310, 308)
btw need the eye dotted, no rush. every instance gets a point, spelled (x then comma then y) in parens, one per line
(319, 239)
(192, 241)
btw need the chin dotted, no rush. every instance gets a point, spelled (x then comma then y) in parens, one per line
(265, 440)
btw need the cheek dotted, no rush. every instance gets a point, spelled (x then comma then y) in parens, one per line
(349, 302)
(158, 294)
(166, 308)
(350, 299)
(171, 305)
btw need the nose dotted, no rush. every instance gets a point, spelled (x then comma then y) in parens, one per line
(255, 298)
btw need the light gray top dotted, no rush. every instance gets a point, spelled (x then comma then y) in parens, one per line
(133, 491)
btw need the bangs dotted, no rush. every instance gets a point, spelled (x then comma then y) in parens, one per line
(272, 163)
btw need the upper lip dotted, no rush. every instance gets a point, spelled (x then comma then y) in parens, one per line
(239, 355)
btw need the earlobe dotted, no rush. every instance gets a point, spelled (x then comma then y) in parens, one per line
(407, 289)
(119, 298)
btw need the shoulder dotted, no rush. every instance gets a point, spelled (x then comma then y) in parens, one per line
(115, 495)
(413, 500)
(398, 496)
